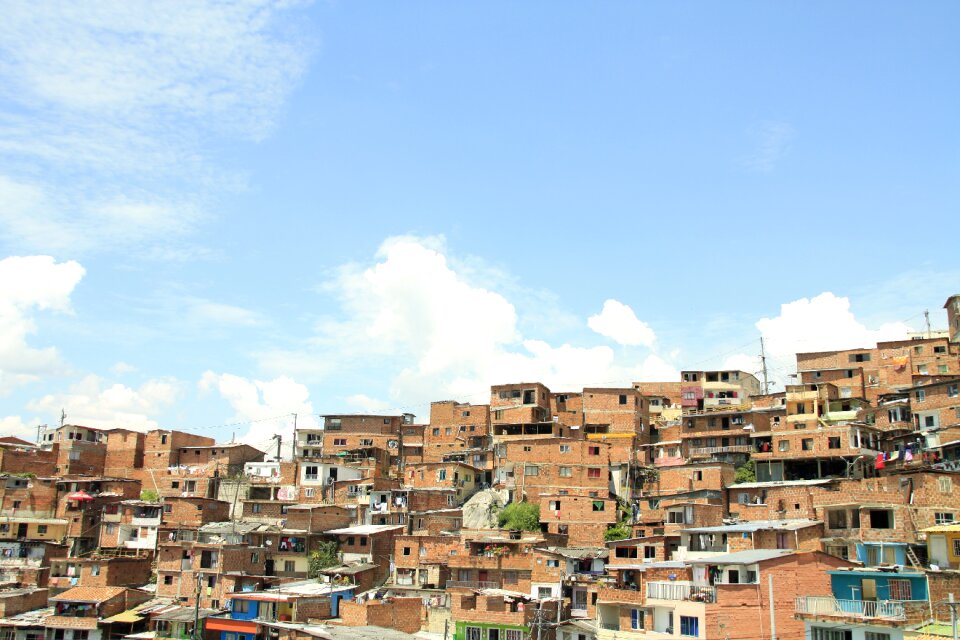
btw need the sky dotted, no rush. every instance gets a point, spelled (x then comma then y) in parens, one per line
(214, 216)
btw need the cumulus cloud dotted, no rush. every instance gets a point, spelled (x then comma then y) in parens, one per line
(267, 405)
(124, 97)
(771, 141)
(29, 284)
(439, 333)
(94, 402)
(15, 426)
(822, 323)
(618, 322)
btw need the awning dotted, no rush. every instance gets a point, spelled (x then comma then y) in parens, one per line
(226, 624)
(130, 616)
(79, 495)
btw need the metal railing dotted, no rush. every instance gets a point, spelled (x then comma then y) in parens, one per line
(610, 626)
(860, 609)
(736, 448)
(680, 591)
(472, 584)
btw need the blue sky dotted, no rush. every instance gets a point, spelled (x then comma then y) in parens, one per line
(215, 214)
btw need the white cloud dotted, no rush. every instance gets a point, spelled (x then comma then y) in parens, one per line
(437, 334)
(209, 312)
(267, 405)
(771, 140)
(124, 97)
(822, 323)
(15, 426)
(365, 403)
(94, 402)
(122, 368)
(29, 284)
(618, 322)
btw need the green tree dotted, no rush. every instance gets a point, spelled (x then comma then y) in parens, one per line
(524, 516)
(149, 495)
(746, 472)
(618, 531)
(324, 557)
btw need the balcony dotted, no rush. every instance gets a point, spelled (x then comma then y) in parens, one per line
(625, 596)
(827, 607)
(146, 521)
(707, 451)
(472, 584)
(680, 591)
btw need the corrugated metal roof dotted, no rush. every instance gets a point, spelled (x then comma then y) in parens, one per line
(756, 525)
(744, 557)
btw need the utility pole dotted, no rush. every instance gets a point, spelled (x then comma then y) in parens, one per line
(763, 365)
(293, 447)
(773, 611)
(196, 610)
(279, 439)
(953, 604)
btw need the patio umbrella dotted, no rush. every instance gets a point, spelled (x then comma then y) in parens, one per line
(80, 496)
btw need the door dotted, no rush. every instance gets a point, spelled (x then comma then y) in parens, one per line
(493, 634)
(868, 589)
(22, 530)
(482, 576)
(579, 599)
(938, 551)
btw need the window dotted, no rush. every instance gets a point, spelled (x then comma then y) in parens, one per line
(515, 634)
(41, 529)
(473, 633)
(254, 558)
(256, 507)
(564, 448)
(943, 517)
(593, 473)
(598, 505)
(881, 519)
(900, 589)
(837, 519)
(918, 350)
(309, 492)
(406, 551)
(339, 442)
(689, 626)
(649, 553)
(623, 398)
(636, 619)
(807, 444)
(922, 369)
(553, 563)
(939, 349)
(876, 635)
(442, 474)
(593, 451)
(566, 472)
(241, 606)
(698, 475)
(531, 470)
(956, 546)
(823, 633)
(953, 390)
(921, 395)
(783, 445)
(833, 442)
(366, 442)
(436, 431)
(625, 552)
(945, 484)
(167, 579)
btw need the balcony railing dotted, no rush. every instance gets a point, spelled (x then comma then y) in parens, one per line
(890, 610)
(610, 626)
(736, 448)
(472, 584)
(680, 591)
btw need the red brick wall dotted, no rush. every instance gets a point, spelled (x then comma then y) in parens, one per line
(402, 614)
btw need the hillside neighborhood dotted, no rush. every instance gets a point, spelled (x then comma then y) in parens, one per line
(704, 507)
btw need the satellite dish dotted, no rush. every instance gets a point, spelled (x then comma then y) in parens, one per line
(392, 444)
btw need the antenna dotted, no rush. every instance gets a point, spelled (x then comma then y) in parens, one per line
(763, 364)
(926, 317)
(63, 417)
